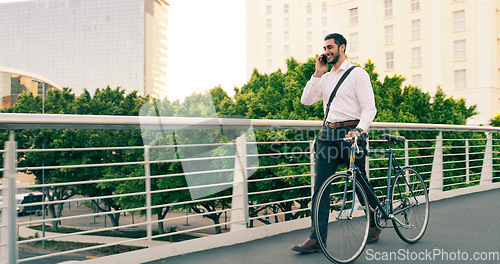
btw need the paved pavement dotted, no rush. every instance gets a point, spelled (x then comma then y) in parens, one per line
(458, 228)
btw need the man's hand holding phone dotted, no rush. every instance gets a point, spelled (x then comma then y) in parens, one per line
(323, 59)
(321, 65)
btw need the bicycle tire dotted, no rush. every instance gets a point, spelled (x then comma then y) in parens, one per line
(410, 219)
(346, 236)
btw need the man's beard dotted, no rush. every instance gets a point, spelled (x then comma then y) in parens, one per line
(335, 58)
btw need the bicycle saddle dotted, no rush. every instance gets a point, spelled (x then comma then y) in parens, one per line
(392, 138)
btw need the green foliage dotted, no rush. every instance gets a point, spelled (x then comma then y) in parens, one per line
(495, 121)
(264, 96)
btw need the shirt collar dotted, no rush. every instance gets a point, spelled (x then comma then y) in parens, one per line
(343, 66)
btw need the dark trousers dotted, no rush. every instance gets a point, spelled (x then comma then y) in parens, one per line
(329, 154)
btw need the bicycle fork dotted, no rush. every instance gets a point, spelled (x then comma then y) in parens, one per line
(352, 178)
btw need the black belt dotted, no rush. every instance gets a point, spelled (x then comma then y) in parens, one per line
(342, 124)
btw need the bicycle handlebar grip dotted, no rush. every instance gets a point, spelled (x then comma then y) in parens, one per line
(392, 138)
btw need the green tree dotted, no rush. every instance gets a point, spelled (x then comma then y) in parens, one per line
(495, 121)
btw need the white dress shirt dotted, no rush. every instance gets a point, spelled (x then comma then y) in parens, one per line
(354, 99)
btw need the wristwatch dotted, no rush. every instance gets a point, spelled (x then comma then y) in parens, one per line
(359, 130)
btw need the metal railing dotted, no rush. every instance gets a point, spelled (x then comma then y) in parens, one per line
(244, 199)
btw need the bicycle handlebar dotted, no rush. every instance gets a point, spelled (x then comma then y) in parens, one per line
(394, 139)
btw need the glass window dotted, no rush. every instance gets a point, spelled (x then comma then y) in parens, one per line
(286, 49)
(389, 34)
(286, 22)
(415, 5)
(387, 8)
(286, 35)
(353, 15)
(460, 49)
(309, 9)
(268, 22)
(389, 60)
(269, 50)
(460, 79)
(417, 80)
(286, 9)
(309, 22)
(268, 9)
(309, 36)
(416, 56)
(415, 29)
(269, 37)
(324, 8)
(459, 20)
(354, 42)
(324, 22)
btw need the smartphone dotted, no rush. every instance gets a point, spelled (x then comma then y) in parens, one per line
(323, 59)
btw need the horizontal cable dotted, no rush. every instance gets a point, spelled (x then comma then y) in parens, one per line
(279, 166)
(278, 202)
(279, 190)
(279, 178)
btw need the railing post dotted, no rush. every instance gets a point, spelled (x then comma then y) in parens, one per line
(407, 154)
(239, 213)
(467, 161)
(147, 170)
(8, 249)
(487, 170)
(436, 184)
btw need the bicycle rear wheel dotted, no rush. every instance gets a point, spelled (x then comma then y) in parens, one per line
(349, 219)
(410, 205)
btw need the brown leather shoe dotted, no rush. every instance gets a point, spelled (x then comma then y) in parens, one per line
(309, 246)
(373, 234)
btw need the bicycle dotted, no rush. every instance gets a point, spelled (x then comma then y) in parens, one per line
(406, 206)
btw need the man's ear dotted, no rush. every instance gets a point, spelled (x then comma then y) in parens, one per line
(342, 47)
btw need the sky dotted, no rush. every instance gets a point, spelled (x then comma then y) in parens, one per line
(206, 46)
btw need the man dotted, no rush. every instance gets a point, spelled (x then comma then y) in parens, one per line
(351, 113)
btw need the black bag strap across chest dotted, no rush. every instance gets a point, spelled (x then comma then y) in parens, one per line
(334, 92)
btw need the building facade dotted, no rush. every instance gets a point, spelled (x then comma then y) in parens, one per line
(14, 82)
(452, 44)
(88, 43)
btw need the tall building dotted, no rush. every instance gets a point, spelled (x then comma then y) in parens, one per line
(454, 44)
(88, 43)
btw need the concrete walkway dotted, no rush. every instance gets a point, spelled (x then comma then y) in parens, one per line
(459, 227)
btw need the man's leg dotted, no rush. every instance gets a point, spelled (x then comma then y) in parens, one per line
(326, 165)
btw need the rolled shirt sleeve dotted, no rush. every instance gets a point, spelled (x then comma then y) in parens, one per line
(366, 98)
(312, 92)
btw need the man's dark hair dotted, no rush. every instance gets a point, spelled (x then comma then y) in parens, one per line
(338, 38)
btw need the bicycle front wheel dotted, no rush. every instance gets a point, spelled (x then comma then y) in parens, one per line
(349, 220)
(410, 205)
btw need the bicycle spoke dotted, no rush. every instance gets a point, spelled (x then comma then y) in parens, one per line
(410, 205)
(349, 221)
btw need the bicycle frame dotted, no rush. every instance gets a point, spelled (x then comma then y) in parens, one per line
(393, 165)
(395, 212)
